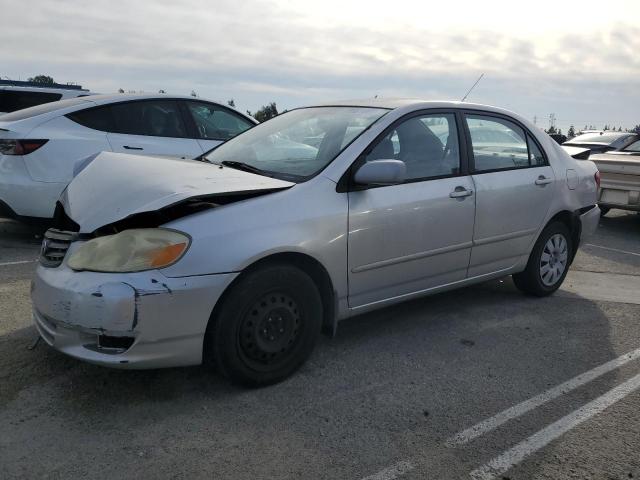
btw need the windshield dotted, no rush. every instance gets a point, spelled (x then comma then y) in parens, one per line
(298, 144)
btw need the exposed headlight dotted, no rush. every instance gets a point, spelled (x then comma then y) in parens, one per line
(131, 251)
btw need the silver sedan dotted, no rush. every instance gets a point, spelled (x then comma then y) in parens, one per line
(314, 216)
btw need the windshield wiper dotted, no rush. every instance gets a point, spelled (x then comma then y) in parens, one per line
(245, 167)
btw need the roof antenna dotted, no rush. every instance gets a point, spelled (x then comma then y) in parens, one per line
(472, 87)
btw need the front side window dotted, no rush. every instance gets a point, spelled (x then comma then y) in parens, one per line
(428, 145)
(216, 123)
(297, 144)
(158, 118)
(499, 144)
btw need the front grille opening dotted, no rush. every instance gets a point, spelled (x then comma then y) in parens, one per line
(54, 247)
(115, 343)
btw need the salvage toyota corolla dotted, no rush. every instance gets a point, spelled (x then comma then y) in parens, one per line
(314, 216)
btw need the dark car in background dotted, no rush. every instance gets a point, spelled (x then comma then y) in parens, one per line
(17, 95)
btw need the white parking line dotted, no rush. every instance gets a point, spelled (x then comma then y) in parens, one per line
(612, 249)
(394, 471)
(515, 455)
(528, 405)
(19, 262)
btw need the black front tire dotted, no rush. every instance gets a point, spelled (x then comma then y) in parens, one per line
(266, 327)
(530, 281)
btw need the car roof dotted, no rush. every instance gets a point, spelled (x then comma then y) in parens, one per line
(417, 103)
(80, 103)
(123, 97)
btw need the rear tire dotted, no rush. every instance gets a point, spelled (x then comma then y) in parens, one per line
(266, 327)
(548, 263)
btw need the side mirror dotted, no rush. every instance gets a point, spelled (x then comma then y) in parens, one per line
(381, 172)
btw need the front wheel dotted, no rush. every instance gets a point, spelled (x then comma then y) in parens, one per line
(548, 263)
(266, 327)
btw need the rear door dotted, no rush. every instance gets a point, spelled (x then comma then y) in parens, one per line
(214, 124)
(514, 187)
(417, 235)
(151, 127)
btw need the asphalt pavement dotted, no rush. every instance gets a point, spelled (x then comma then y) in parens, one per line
(478, 383)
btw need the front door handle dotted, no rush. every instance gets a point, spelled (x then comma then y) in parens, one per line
(542, 180)
(132, 148)
(460, 192)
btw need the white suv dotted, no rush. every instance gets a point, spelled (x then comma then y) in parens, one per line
(16, 95)
(41, 147)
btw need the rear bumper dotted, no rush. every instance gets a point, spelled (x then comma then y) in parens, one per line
(589, 223)
(20, 195)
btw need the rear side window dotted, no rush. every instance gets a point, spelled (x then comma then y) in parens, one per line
(42, 109)
(499, 144)
(11, 100)
(158, 118)
(216, 123)
(96, 118)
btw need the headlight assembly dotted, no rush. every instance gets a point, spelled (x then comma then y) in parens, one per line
(132, 250)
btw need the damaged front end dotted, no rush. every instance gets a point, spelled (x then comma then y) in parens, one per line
(119, 315)
(127, 320)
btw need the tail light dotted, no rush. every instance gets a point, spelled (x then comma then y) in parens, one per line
(596, 176)
(20, 147)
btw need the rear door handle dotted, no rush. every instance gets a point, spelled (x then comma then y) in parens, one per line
(460, 192)
(132, 148)
(542, 180)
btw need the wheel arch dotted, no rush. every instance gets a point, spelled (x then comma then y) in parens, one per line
(572, 221)
(307, 264)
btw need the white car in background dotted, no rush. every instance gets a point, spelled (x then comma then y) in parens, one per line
(42, 147)
(16, 95)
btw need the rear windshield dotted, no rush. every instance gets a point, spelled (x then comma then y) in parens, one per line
(12, 100)
(41, 109)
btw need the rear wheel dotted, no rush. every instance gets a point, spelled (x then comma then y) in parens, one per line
(548, 263)
(266, 327)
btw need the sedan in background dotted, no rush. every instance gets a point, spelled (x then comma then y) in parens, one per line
(620, 179)
(604, 141)
(43, 146)
(317, 215)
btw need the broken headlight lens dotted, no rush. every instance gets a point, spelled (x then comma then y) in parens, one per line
(132, 250)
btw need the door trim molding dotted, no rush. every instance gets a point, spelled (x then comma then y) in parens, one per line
(411, 257)
(506, 236)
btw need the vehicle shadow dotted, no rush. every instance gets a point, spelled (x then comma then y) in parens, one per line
(407, 375)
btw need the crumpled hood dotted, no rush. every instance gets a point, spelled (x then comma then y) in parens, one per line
(116, 185)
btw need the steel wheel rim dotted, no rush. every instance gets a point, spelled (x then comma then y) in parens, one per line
(553, 261)
(270, 329)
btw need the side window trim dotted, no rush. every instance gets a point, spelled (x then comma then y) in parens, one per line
(469, 145)
(345, 184)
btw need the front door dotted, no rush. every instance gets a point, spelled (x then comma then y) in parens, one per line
(417, 235)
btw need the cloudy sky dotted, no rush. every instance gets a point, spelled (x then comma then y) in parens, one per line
(579, 60)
